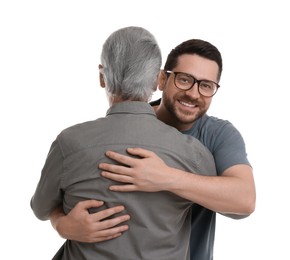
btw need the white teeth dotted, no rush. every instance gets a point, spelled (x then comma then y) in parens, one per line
(186, 104)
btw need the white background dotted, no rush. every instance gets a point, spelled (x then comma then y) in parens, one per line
(49, 52)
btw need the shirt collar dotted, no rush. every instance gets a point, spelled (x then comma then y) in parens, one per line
(131, 107)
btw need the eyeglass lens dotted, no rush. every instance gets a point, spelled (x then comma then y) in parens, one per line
(185, 81)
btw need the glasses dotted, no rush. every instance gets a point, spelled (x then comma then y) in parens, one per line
(186, 81)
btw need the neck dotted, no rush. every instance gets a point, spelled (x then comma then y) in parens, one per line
(117, 99)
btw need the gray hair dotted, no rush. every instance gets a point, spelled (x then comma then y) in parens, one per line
(131, 60)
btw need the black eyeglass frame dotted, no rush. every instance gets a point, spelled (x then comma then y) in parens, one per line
(194, 81)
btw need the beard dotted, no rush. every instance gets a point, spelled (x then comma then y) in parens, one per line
(180, 116)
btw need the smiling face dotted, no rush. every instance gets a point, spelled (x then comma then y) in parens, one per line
(180, 108)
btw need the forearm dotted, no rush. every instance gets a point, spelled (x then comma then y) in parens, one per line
(55, 217)
(231, 193)
(227, 194)
(48, 195)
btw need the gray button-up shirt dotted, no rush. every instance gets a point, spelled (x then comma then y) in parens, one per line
(159, 227)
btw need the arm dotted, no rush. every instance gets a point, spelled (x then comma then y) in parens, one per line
(48, 194)
(231, 193)
(81, 226)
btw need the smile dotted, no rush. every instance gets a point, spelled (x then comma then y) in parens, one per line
(186, 104)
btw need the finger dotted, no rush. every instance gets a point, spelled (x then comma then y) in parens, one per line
(124, 159)
(86, 204)
(123, 188)
(112, 231)
(100, 239)
(113, 224)
(103, 214)
(117, 169)
(117, 177)
(143, 153)
(109, 233)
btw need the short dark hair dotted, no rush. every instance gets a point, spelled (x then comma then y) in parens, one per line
(198, 47)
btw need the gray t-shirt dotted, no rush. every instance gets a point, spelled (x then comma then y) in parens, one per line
(159, 227)
(228, 148)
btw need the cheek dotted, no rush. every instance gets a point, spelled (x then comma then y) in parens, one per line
(169, 90)
(207, 102)
(169, 94)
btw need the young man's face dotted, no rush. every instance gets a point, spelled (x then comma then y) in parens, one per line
(183, 107)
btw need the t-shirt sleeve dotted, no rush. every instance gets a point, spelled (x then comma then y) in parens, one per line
(48, 194)
(229, 148)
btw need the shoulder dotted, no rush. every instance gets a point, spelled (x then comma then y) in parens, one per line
(224, 141)
(208, 129)
(75, 130)
(217, 130)
(78, 136)
(212, 123)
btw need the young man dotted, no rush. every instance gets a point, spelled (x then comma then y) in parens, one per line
(160, 221)
(189, 80)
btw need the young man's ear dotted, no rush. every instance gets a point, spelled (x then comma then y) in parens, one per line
(101, 76)
(162, 80)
